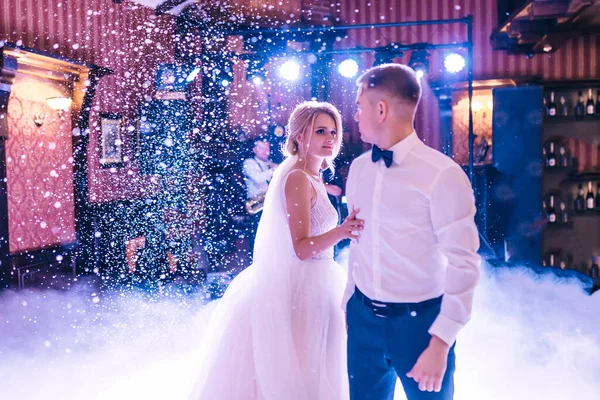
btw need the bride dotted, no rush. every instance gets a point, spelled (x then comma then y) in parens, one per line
(279, 331)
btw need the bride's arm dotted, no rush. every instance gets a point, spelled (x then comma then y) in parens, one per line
(299, 194)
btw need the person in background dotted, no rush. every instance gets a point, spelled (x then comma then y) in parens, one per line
(258, 172)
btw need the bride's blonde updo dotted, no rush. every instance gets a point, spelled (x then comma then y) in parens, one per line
(302, 122)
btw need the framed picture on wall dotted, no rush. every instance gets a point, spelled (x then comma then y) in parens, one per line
(111, 140)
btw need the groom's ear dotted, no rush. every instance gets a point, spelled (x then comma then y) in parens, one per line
(382, 110)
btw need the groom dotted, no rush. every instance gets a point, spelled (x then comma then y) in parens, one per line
(412, 274)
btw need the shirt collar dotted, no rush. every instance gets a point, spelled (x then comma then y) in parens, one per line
(403, 147)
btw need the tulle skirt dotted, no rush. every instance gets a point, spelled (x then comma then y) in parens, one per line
(277, 338)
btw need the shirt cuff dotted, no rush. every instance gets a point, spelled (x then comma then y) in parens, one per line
(445, 328)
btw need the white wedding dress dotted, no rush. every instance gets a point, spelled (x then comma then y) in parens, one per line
(279, 333)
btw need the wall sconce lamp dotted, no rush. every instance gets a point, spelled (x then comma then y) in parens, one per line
(59, 104)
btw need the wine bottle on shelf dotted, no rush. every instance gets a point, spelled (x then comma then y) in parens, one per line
(544, 153)
(589, 199)
(551, 260)
(563, 264)
(579, 200)
(564, 110)
(552, 106)
(580, 108)
(564, 215)
(589, 105)
(551, 211)
(598, 103)
(551, 156)
(563, 156)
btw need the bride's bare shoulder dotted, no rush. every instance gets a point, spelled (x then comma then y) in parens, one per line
(297, 178)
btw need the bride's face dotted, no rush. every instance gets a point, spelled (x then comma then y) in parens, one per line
(321, 140)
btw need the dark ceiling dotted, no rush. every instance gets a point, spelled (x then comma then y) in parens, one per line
(543, 26)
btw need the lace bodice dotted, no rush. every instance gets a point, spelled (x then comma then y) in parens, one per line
(323, 216)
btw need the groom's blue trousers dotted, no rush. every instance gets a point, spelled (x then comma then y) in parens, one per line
(382, 348)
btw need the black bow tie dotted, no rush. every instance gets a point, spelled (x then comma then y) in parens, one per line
(387, 155)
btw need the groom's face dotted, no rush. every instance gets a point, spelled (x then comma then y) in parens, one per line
(366, 116)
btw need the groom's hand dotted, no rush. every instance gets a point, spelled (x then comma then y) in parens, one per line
(430, 368)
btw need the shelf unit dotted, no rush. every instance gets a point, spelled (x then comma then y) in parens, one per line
(573, 243)
(519, 181)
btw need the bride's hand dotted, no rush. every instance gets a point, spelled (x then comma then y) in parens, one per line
(351, 226)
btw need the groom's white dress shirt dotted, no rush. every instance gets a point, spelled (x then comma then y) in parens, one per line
(419, 240)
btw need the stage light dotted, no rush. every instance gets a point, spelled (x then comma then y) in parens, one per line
(386, 54)
(193, 75)
(348, 68)
(256, 70)
(419, 62)
(454, 63)
(382, 58)
(289, 70)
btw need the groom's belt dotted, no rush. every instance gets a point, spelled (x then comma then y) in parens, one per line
(382, 309)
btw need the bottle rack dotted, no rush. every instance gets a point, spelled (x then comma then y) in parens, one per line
(572, 240)
(572, 104)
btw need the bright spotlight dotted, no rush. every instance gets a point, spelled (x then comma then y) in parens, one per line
(420, 73)
(348, 68)
(454, 63)
(289, 70)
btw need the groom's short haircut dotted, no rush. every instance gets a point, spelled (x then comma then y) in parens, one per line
(396, 80)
